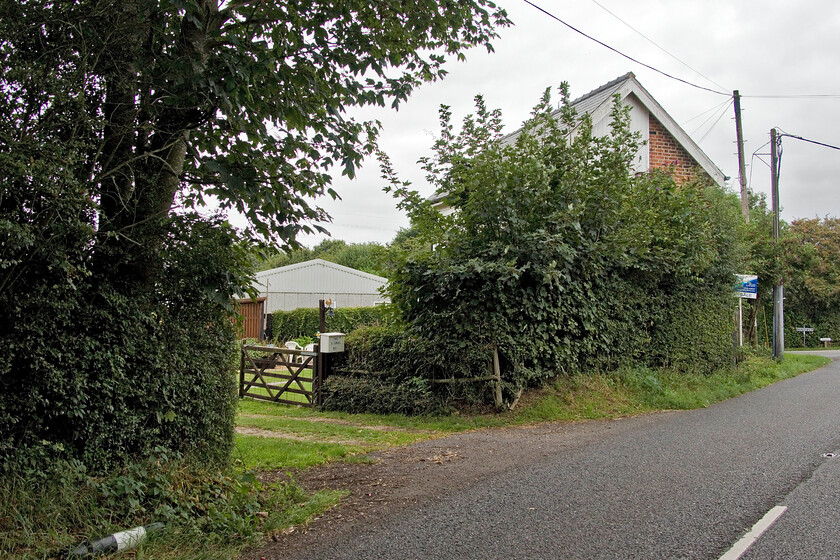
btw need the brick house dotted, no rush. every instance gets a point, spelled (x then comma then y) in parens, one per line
(665, 145)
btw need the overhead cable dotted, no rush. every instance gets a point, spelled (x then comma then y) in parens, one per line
(714, 109)
(783, 134)
(714, 124)
(628, 57)
(721, 110)
(655, 44)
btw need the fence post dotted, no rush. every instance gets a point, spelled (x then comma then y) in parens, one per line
(269, 327)
(319, 363)
(497, 373)
(241, 369)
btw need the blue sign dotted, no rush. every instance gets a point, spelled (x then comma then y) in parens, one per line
(746, 286)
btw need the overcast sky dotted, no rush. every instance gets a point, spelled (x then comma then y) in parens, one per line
(764, 50)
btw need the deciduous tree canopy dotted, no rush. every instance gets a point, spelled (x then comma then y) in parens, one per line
(561, 256)
(119, 117)
(149, 103)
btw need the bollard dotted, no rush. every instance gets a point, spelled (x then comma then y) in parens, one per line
(123, 540)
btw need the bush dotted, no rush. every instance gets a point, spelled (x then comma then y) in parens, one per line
(372, 394)
(107, 376)
(289, 325)
(561, 256)
(396, 354)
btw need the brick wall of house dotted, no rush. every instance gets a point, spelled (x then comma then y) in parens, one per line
(666, 153)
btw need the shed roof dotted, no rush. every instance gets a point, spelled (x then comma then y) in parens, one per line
(320, 263)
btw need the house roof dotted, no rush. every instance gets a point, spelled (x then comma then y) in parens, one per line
(598, 104)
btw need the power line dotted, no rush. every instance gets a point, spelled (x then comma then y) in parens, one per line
(652, 42)
(783, 134)
(628, 57)
(803, 96)
(648, 66)
(714, 124)
(752, 159)
(714, 109)
(722, 108)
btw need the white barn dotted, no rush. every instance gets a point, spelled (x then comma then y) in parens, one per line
(303, 284)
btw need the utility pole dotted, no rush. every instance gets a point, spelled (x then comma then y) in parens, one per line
(778, 288)
(742, 168)
(745, 204)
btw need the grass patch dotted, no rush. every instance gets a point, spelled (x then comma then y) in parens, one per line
(267, 453)
(342, 436)
(211, 514)
(638, 390)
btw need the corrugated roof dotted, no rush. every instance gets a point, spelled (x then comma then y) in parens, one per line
(320, 263)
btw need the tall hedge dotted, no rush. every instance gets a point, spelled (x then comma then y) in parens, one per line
(288, 325)
(562, 256)
(97, 376)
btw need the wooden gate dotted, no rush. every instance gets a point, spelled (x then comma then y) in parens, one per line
(282, 375)
(253, 317)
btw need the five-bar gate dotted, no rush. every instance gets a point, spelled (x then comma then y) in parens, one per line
(282, 375)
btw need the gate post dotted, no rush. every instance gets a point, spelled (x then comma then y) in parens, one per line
(319, 365)
(242, 368)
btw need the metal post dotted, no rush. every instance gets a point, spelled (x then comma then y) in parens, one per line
(778, 288)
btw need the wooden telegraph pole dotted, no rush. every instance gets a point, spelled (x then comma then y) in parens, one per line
(745, 208)
(778, 288)
(742, 168)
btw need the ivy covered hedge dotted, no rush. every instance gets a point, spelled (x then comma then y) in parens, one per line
(562, 256)
(289, 325)
(94, 375)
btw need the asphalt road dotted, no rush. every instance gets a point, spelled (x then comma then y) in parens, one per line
(674, 485)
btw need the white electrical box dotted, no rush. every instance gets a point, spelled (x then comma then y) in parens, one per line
(332, 342)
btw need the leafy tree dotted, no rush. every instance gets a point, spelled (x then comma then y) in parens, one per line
(812, 279)
(117, 118)
(560, 255)
(168, 100)
(804, 258)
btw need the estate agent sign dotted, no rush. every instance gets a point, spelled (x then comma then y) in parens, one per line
(746, 286)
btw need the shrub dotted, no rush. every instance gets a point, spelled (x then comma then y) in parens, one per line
(563, 257)
(107, 376)
(290, 325)
(395, 353)
(372, 394)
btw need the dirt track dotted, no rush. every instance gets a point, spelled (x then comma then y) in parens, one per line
(406, 476)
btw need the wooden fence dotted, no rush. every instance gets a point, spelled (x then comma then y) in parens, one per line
(252, 312)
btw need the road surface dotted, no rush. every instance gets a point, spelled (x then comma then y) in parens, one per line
(689, 484)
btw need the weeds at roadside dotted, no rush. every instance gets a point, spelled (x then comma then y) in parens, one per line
(207, 514)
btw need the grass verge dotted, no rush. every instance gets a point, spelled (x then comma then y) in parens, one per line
(305, 437)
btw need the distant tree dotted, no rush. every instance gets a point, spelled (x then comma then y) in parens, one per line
(812, 278)
(368, 257)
